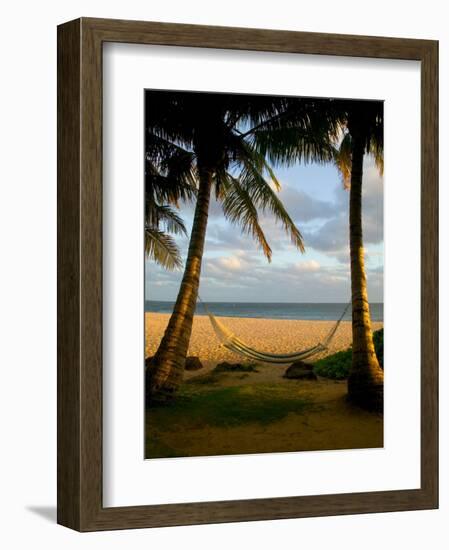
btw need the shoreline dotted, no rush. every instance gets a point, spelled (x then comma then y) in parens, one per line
(261, 318)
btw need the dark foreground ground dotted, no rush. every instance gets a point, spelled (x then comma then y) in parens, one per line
(258, 411)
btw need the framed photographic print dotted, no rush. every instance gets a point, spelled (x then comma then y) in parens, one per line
(247, 287)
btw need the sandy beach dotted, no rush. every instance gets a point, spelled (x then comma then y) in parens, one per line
(220, 413)
(273, 335)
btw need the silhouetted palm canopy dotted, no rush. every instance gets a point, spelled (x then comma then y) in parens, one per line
(246, 135)
(364, 120)
(228, 142)
(163, 191)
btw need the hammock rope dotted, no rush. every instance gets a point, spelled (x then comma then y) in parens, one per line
(231, 342)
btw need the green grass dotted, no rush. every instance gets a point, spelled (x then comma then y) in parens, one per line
(202, 403)
(200, 406)
(226, 407)
(337, 366)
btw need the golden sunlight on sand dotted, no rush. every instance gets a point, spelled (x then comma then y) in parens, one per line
(272, 335)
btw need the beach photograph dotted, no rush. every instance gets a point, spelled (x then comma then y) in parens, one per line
(263, 274)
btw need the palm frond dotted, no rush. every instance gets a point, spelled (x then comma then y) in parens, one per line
(303, 131)
(242, 137)
(379, 161)
(162, 248)
(239, 209)
(159, 246)
(365, 119)
(252, 188)
(376, 138)
(157, 215)
(244, 152)
(288, 146)
(265, 199)
(170, 173)
(343, 159)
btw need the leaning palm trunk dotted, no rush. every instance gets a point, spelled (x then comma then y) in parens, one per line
(166, 369)
(365, 382)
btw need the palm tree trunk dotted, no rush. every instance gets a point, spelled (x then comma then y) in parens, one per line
(166, 369)
(365, 382)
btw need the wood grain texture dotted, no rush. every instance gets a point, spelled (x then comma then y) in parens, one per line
(429, 271)
(80, 274)
(143, 32)
(69, 408)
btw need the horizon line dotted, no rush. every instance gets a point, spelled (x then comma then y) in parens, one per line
(259, 302)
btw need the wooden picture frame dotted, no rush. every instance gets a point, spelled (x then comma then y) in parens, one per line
(80, 504)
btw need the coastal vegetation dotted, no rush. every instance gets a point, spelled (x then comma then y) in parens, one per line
(338, 365)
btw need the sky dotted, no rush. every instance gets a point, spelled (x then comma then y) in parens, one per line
(234, 269)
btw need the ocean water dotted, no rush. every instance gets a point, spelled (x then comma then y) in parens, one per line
(305, 311)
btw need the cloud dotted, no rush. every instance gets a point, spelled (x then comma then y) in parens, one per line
(332, 236)
(304, 208)
(323, 224)
(224, 237)
(301, 206)
(238, 267)
(240, 277)
(308, 265)
(234, 268)
(234, 263)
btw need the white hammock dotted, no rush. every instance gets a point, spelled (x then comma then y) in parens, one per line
(230, 341)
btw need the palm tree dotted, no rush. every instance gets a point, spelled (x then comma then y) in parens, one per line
(160, 220)
(364, 123)
(227, 137)
(165, 185)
